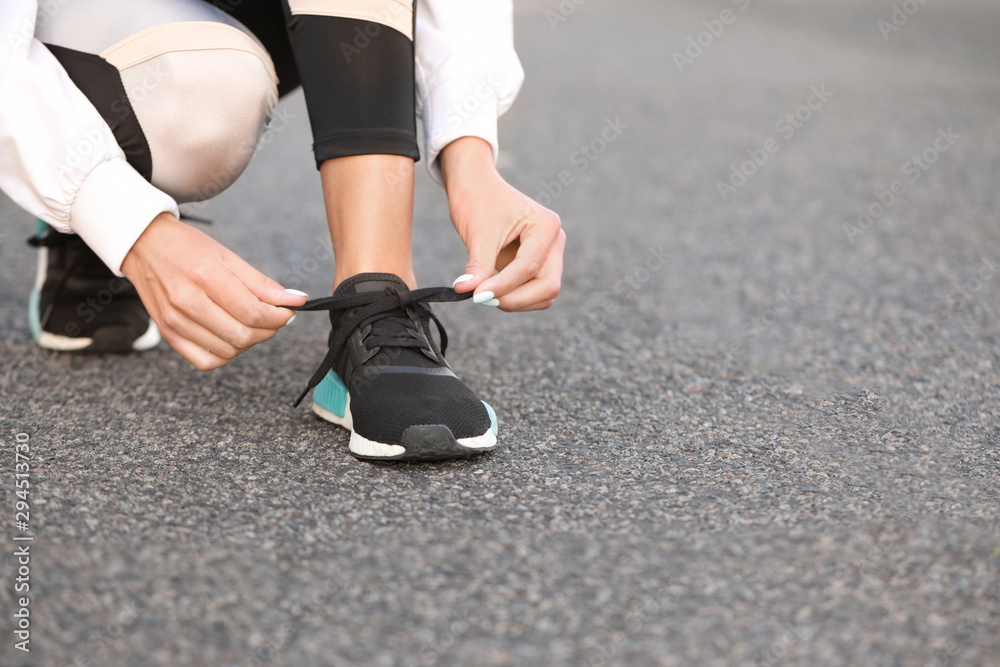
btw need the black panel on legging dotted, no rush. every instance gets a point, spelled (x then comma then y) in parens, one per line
(101, 82)
(360, 94)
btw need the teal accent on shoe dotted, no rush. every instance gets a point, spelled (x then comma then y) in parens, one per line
(40, 227)
(34, 316)
(493, 418)
(331, 394)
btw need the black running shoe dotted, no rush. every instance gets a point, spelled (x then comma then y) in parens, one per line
(386, 380)
(79, 305)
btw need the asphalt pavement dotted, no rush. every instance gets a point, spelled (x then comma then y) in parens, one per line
(759, 427)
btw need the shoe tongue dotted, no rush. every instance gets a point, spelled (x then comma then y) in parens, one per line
(370, 282)
(387, 356)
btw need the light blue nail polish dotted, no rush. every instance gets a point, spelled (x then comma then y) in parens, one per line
(482, 297)
(462, 278)
(291, 320)
(492, 303)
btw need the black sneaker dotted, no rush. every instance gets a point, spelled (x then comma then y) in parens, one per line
(386, 380)
(79, 305)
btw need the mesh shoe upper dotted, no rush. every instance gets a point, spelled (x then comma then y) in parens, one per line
(386, 406)
(382, 348)
(79, 296)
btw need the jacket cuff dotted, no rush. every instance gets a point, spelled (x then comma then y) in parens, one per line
(461, 106)
(113, 208)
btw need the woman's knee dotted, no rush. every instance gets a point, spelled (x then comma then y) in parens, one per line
(185, 88)
(202, 98)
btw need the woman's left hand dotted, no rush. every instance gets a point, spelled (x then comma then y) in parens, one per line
(503, 230)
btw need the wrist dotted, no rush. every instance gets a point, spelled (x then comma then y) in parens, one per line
(465, 161)
(135, 252)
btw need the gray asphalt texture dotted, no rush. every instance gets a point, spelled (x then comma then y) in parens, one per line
(777, 446)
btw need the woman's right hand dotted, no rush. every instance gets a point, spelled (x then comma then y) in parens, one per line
(209, 304)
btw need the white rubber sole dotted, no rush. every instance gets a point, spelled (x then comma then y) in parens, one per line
(51, 341)
(369, 449)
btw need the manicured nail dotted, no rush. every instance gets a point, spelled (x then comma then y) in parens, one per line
(296, 293)
(492, 303)
(462, 278)
(482, 297)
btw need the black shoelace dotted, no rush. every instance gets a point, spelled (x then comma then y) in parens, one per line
(385, 311)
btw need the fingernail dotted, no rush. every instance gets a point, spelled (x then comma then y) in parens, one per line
(296, 293)
(482, 297)
(492, 303)
(462, 278)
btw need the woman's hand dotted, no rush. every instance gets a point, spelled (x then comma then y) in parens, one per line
(503, 230)
(209, 304)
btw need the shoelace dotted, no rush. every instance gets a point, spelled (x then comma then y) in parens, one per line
(388, 304)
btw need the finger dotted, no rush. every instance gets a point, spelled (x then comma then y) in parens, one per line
(539, 294)
(199, 357)
(536, 242)
(262, 287)
(504, 257)
(481, 265)
(208, 324)
(540, 305)
(181, 327)
(229, 292)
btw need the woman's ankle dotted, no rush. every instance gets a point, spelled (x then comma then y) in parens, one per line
(405, 273)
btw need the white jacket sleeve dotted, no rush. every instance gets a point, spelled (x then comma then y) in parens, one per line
(58, 158)
(468, 73)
